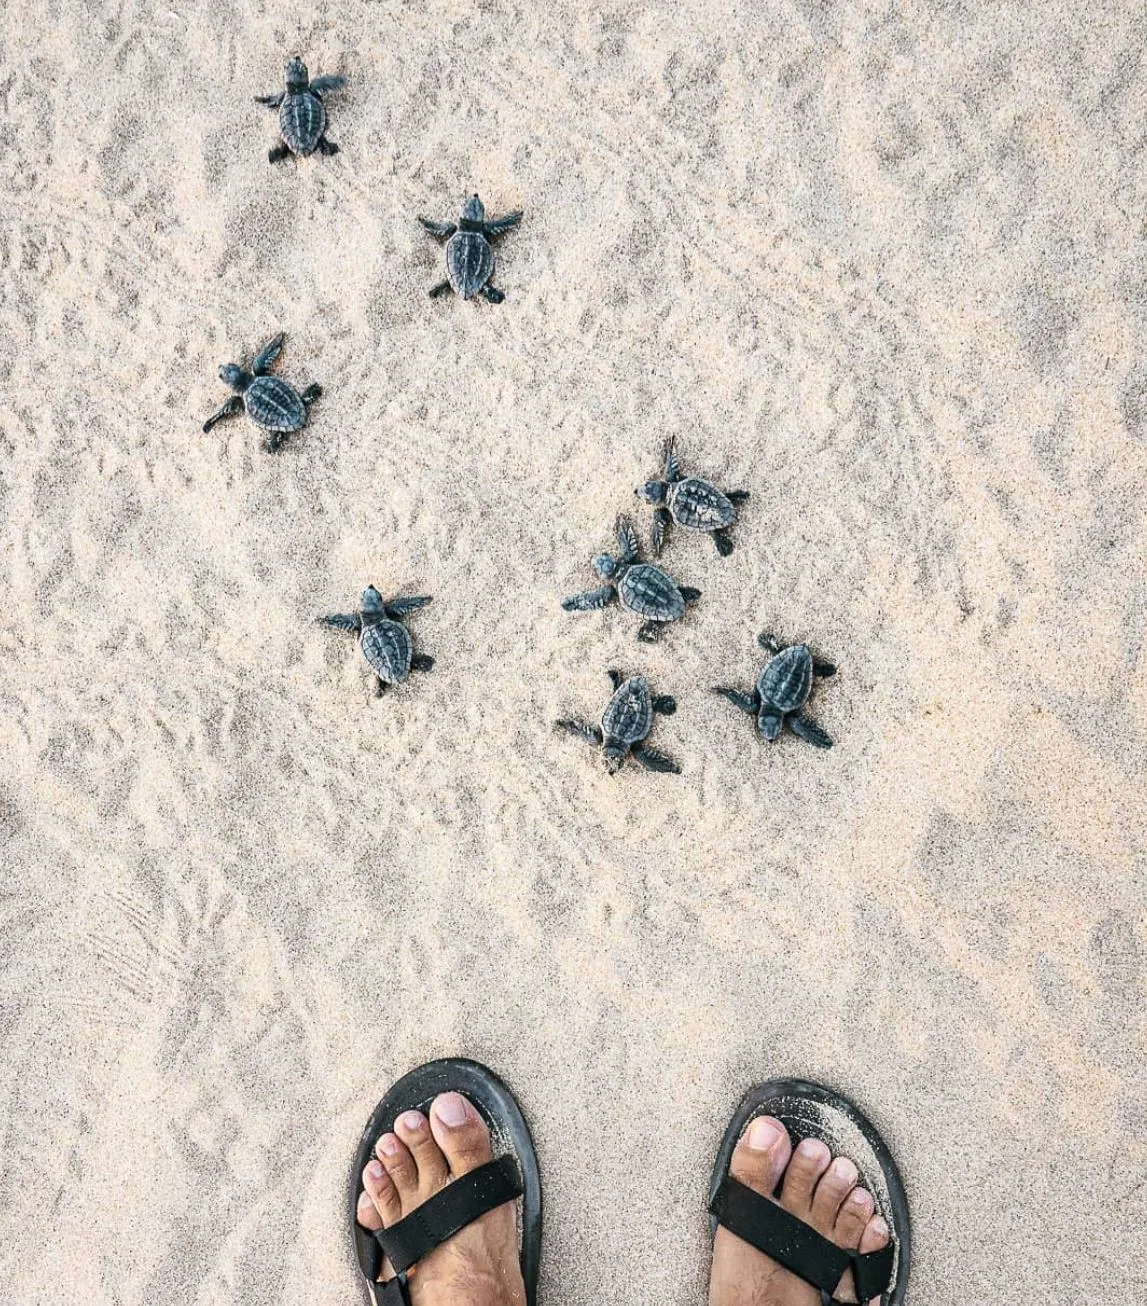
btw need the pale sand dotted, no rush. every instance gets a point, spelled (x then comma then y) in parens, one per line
(883, 268)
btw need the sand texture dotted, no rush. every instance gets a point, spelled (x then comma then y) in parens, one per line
(882, 265)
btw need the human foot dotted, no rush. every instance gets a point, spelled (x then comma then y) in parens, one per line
(818, 1190)
(479, 1265)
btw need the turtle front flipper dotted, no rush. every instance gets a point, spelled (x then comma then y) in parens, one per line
(652, 760)
(809, 731)
(265, 358)
(398, 608)
(746, 702)
(737, 497)
(348, 621)
(324, 85)
(660, 528)
(499, 226)
(665, 704)
(616, 679)
(271, 101)
(231, 408)
(590, 600)
(443, 230)
(591, 734)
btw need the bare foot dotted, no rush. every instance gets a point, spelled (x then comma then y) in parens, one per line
(818, 1190)
(478, 1266)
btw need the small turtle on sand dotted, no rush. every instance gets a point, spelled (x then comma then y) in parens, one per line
(302, 115)
(640, 587)
(384, 640)
(469, 255)
(269, 400)
(626, 723)
(691, 503)
(782, 689)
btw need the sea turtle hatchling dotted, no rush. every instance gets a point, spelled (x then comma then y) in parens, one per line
(383, 638)
(469, 254)
(302, 114)
(782, 690)
(625, 725)
(271, 402)
(691, 503)
(640, 587)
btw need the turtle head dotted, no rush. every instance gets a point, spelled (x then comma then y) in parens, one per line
(372, 600)
(614, 754)
(233, 375)
(474, 210)
(653, 491)
(769, 723)
(606, 566)
(297, 76)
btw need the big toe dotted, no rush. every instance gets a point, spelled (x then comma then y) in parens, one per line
(761, 1155)
(460, 1132)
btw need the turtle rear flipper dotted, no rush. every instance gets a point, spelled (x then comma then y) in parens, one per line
(809, 731)
(421, 662)
(724, 542)
(277, 153)
(689, 593)
(652, 760)
(327, 147)
(665, 704)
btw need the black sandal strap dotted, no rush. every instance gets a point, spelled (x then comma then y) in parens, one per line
(450, 1210)
(797, 1246)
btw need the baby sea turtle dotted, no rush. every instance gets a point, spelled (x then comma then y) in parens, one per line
(269, 400)
(626, 723)
(469, 255)
(640, 587)
(384, 640)
(692, 503)
(782, 689)
(302, 114)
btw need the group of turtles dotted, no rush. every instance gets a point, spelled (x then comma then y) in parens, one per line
(642, 588)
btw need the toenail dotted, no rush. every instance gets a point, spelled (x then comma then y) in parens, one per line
(844, 1170)
(860, 1197)
(811, 1147)
(364, 1200)
(878, 1227)
(762, 1135)
(375, 1170)
(411, 1122)
(389, 1144)
(451, 1110)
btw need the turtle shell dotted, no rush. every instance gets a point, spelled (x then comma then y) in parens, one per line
(647, 591)
(388, 648)
(302, 120)
(699, 506)
(628, 716)
(469, 262)
(274, 404)
(786, 680)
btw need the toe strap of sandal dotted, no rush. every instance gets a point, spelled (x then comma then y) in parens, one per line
(798, 1246)
(440, 1217)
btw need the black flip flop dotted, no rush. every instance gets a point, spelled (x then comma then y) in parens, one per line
(513, 1174)
(809, 1111)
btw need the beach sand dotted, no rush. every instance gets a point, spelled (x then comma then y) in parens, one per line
(883, 266)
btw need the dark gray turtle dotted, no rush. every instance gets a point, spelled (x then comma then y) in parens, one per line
(640, 587)
(384, 640)
(782, 689)
(625, 725)
(302, 114)
(269, 400)
(469, 255)
(692, 503)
